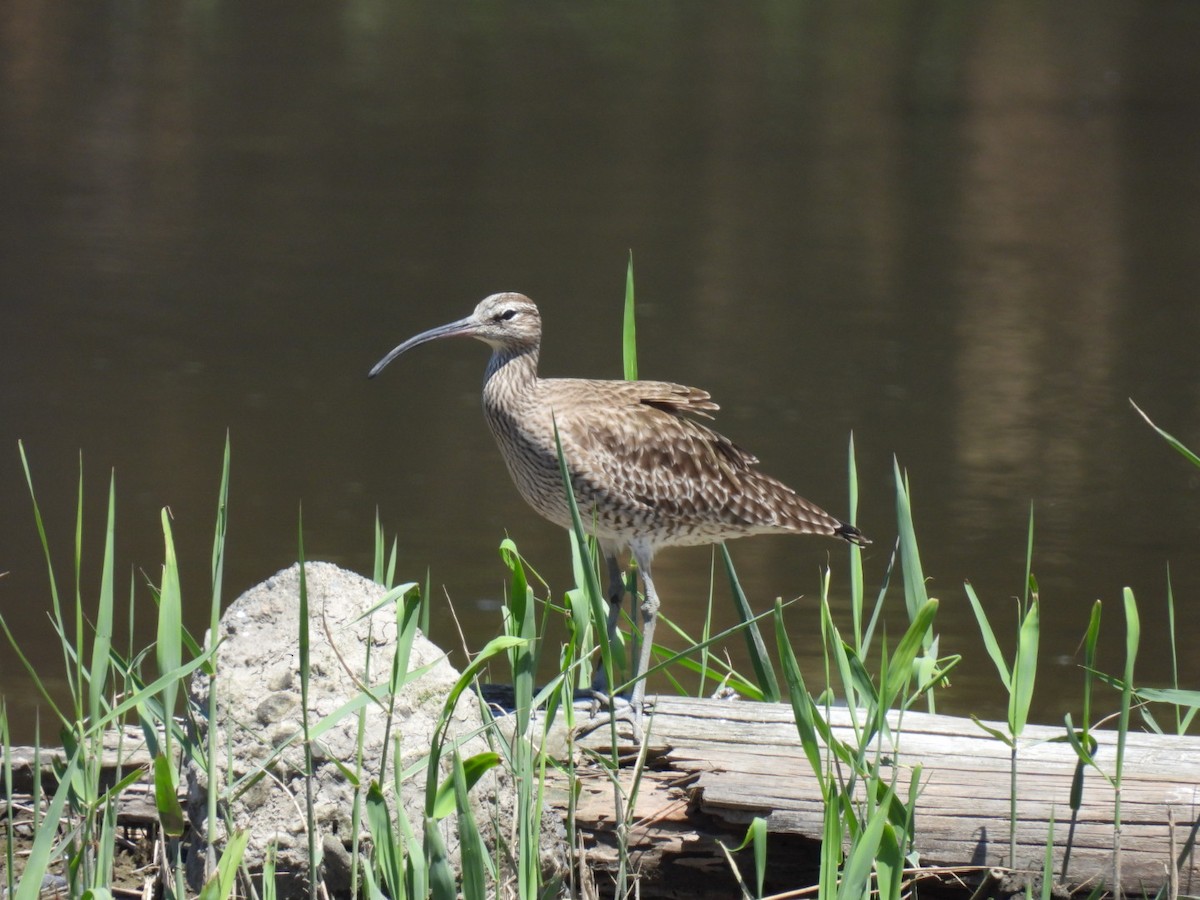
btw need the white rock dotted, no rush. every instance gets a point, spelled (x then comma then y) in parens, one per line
(258, 683)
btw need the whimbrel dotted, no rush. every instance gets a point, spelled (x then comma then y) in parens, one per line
(644, 472)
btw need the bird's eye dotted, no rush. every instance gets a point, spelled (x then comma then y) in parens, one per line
(506, 315)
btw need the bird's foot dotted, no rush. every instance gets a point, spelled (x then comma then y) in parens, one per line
(603, 709)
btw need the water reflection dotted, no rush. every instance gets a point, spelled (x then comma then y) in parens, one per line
(964, 232)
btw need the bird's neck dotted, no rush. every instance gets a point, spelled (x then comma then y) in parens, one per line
(511, 371)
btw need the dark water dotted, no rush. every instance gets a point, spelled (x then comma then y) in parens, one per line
(966, 232)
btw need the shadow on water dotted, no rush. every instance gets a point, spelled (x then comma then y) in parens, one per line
(965, 233)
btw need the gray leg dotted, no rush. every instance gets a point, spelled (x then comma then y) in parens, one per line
(632, 712)
(616, 593)
(649, 619)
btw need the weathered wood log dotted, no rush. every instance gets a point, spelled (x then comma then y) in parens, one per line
(718, 764)
(715, 765)
(125, 748)
(122, 751)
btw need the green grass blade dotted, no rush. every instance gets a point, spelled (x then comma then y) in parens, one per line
(9, 888)
(994, 732)
(1024, 670)
(268, 872)
(388, 852)
(595, 597)
(1132, 640)
(169, 646)
(426, 590)
(877, 610)
(718, 671)
(392, 595)
(521, 623)
(1133, 631)
(910, 557)
(55, 602)
(1081, 742)
(214, 625)
(864, 687)
(831, 848)
(473, 768)
(674, 658)
(583, 631)
(38, 861)
(472, 851)
(760, 661)
(408, 615)
(1173, 441)
(900, 666)
(379, 556)
(166, 798)
(373, 891)
(1084, 759)
(102, 645)
(758, 838)
(709, 665)
(629, 329)
(78, 655)
(889, 865)
(218, 551)
(1048, 860)
(856, 564)
(989, 637)
(1029, 582)
(437, 857)
(802, 705)
(221, 885)
(314, 857)
(1151, 722)
(1091, 639)
(706, 624)
(836, 647)
(1176, 696)
(856, 874)
(105, 847)
(494, 647)
(1180, 723)
(144, 695)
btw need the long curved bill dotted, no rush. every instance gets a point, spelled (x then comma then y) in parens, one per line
(453, 329)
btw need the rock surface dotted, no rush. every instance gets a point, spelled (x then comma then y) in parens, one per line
(259, 712)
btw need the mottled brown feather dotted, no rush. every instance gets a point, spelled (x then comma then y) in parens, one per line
(626, 440)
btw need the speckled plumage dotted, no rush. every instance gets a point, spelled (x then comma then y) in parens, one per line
(646, 474)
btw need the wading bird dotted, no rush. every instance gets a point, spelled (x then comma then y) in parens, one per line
(644, 472)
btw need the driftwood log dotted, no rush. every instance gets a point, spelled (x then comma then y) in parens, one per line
(715, 765)
(712, 766)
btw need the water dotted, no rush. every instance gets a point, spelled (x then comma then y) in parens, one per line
(965, 233)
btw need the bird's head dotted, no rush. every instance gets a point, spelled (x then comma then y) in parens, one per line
(504, 321)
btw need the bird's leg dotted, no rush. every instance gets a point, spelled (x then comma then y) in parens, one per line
(616, 593)
(618, 709)
(631, 712)
(649, 620)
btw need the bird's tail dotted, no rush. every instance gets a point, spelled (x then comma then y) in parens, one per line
(852, 534)
(800, 516)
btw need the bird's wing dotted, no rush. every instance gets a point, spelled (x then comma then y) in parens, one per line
(633, 450)
(664, 396)
(633, 441)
